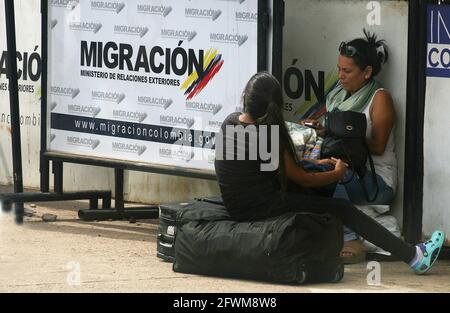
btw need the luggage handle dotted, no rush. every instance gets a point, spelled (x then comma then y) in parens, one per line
(167, 245)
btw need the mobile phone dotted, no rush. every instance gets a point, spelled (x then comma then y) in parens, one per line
(310, 124)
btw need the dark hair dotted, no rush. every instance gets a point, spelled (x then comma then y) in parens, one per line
(263, 101)
(369, 52)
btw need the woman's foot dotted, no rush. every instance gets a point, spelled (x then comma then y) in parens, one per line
(427, 253)
(353, 252)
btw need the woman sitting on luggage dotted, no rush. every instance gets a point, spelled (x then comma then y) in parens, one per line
(255, 160)
(359, 62)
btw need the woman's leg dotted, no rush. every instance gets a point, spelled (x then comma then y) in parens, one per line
(353, 218)
(353, 192)
(341, 193)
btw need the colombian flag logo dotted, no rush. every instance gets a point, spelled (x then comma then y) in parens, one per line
(195, 84)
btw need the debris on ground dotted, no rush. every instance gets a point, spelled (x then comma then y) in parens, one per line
(49, 217)
(29, 212)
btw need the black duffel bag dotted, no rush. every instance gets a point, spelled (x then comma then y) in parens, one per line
(292, 248)
(345, 139)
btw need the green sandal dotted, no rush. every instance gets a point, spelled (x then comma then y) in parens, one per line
(430, 250)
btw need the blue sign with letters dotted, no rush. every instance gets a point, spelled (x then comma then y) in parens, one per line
(438, 41)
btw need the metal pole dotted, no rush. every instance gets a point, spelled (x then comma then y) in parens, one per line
(58, 176)
(14, 105)
(263, 25)
(44, 167)
(277, 42)
(118, 175)
(415, 106)
(150, 212)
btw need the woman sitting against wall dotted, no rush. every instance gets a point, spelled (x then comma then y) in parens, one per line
(254, 187)
(359, 62)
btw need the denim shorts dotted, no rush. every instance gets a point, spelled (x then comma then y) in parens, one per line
(354, 192)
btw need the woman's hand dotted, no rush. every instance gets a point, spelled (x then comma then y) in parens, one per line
(340, 168)
(303, 178)
(331, 161)
(314, 124)
(311, 123)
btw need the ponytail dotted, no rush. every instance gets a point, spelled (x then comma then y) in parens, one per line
(274, 116)
(263, 101)
(378, 52)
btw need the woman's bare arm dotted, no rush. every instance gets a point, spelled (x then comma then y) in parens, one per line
(382, 114)
(307, 179)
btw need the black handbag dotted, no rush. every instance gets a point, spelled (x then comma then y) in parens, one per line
(345, 139)
(346, 124)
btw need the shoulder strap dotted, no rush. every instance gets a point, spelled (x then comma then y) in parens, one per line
(374, 178)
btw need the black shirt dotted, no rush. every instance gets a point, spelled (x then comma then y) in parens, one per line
(248, 192)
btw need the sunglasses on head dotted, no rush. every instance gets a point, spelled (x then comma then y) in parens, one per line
(347, 50)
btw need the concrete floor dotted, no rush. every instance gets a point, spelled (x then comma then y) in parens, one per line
(69, 255)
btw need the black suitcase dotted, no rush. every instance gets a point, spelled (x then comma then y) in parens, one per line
(293, 248)
(167, 225)
(165, 249)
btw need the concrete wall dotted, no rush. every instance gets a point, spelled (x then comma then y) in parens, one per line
(313, 31)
